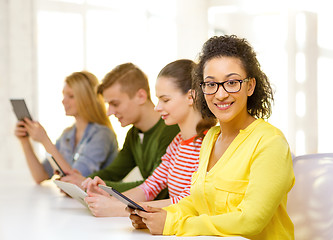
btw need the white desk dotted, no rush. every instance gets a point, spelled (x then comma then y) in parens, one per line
(30, 211)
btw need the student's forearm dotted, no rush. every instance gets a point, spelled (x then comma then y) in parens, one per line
(159, 203)
(51, 149)
(136, 194)
(118, 209)
(36, 168)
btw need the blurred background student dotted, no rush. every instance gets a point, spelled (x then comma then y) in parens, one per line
(175, 106)
(87, 146)
(126, 90)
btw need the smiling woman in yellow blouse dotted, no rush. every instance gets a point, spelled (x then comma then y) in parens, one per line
(245, 170)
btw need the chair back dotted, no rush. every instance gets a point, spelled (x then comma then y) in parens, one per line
(310, 202)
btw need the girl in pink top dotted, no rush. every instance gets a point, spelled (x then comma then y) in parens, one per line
(175, 171)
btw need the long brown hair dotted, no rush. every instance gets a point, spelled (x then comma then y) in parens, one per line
(180, 72)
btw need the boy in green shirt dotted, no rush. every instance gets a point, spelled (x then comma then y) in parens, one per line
(126, 90)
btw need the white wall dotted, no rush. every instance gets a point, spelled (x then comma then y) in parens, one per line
(192, 27)
(17, 72)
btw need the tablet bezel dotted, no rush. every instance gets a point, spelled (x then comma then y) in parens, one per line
(20, 109)
(55, 166)
(73, 191)
(121, 197)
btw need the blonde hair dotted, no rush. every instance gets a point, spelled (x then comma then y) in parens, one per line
(90, 105)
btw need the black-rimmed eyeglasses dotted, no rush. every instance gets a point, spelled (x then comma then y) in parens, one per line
(230, 86)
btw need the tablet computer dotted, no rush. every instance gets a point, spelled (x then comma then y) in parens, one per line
(121, 197)
(72, 190)
(55, 165)
(20, 109)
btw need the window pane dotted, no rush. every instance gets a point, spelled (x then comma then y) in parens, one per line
(60, 52)
(325, 114)
(114, 37)
(68, 1)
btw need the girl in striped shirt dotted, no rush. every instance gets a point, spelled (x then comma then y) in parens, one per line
(173, 89)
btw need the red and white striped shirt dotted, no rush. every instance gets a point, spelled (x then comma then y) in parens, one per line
(175, 171)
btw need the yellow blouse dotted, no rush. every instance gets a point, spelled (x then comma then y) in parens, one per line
(244, 194)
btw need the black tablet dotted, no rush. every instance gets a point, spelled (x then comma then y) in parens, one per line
(20, 109)
(55, 165)
(121, 197)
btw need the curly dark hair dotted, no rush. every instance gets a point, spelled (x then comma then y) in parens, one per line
(259, 104)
